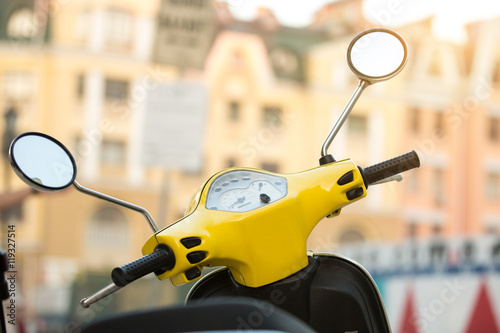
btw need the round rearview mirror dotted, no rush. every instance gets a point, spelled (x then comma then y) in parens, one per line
(42, 162)
(377, 55)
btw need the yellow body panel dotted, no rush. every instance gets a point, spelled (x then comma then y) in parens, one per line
(266, 244)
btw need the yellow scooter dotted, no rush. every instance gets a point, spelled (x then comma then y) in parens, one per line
(255, 225)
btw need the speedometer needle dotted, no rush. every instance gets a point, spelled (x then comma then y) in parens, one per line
(248, 203)
(240, 200)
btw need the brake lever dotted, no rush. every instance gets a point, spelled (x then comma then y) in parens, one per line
(395, 178)
(97, 296)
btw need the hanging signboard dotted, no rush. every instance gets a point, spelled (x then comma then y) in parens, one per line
(184, 32)
(174, 126)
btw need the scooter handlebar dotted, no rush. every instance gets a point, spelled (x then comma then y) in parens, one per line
(159, 261)
(383, 170)
(162, 259)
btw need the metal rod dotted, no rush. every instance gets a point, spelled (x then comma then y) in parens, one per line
(343, 116)
(395, 178)
(106, 291)
(119, 202)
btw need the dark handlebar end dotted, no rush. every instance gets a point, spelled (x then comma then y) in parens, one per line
(377, 172)
(162, 259)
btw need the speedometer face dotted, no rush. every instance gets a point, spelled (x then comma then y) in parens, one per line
(244, 190)
(237, 199)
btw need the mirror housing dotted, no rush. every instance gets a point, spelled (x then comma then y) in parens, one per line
(377, 55)
(42, 162)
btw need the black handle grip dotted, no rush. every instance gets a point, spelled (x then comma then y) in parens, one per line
(390, 167)
(160, 260)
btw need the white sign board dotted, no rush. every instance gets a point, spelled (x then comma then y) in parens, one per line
(174, 126)
(184, 33)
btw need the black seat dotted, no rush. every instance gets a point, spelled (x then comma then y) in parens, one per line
(220, 314)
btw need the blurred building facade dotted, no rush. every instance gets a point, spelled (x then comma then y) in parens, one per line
(81, 71)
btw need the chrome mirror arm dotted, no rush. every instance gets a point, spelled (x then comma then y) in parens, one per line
(118, 202)
(343, 116)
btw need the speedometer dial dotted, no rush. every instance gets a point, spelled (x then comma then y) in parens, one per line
(244, 190)
(238, 199)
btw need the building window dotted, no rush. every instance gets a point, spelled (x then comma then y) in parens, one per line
(12, 213)
(438, 186)
(113, 153)
(19, 85)
(80, 86)
(440, 128)
(273, 116)
(469, 252)
(415, 120)
(234, 111)
(357, 125)
(492, 185)
(413, 182)
(412, 230)
(438, 252)
(495, 252)
(22, 24)
(116, 89)
(82, 24)
(272, 167)
(496, 72)
(108, 228)
(230, 163)
(491, 230)
(118, 27)
(414, 254)
(284, 60)
(434, 68)
(351, 236)
(494, 128)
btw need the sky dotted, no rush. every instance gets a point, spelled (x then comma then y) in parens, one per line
(450, 14)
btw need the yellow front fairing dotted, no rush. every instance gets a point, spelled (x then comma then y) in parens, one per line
(265, 244)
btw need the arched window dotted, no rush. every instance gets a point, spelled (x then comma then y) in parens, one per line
(108, 228)
(469, 252)
(437, 252)
(21, 24)
(118, 27)
(351, 236)
(495, 253)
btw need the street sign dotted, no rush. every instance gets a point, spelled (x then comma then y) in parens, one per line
(184, 32)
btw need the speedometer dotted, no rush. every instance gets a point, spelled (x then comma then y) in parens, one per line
(244, 190)
(234, 200)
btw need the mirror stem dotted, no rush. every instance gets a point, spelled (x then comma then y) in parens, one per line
(119, 202)
(343, 116)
